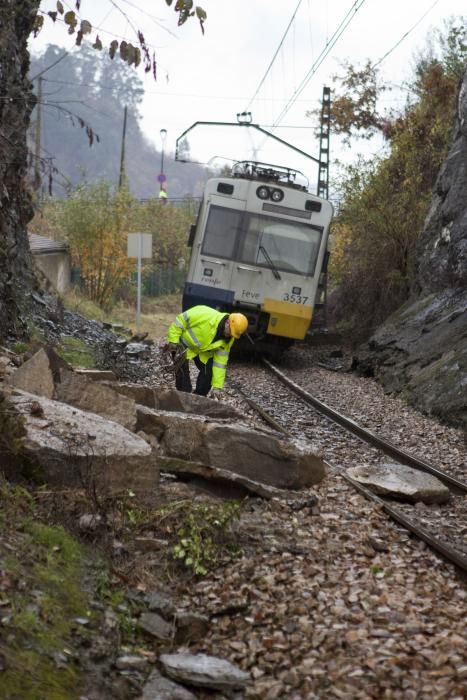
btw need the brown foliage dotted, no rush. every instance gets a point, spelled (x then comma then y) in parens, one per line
(128, 52)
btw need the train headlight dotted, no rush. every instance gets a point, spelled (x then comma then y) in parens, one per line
(262, 192)
(277, 195)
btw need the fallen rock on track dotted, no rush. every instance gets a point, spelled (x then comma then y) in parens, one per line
(399, 481)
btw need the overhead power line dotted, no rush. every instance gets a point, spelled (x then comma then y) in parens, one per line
(274, 57)
(405, 35)
(60, 58)
(160, 93)
(324, 53)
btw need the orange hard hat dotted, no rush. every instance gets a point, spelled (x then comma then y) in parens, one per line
(238, 325)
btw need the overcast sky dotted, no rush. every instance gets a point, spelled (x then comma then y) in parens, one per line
(215, 76)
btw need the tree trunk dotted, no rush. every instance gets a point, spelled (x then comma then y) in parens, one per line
(16, 103)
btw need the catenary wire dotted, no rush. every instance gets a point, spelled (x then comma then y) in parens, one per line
(261, 82)
(181, 95)
(324, 53)
(405, 35)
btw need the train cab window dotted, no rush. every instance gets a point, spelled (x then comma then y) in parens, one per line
(290, 246)
(221, 231)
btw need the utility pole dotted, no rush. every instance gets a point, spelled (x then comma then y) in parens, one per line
(122, 156)
(323, 191)
(37, 139)
(161, 177)
(323, 171)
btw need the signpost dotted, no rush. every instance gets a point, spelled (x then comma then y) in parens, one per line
(139, 246)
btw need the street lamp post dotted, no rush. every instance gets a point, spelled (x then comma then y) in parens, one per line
(162, 178)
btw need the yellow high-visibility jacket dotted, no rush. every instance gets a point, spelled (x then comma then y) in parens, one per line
(196, 329)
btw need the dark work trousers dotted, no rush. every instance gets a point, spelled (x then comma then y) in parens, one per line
(203, 382)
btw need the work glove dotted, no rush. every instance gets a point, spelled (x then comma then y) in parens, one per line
(172, 349)
(216, 394)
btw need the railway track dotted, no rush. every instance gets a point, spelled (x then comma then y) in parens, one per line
(443, 528)
(368, 436)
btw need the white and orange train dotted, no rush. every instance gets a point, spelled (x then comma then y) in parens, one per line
(260, 246)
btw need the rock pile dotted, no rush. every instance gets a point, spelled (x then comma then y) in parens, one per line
(78, 427)
(86, 429)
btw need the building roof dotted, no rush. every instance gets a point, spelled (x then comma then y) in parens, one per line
(41, 244)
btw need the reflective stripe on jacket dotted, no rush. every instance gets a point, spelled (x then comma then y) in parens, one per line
(196, 329)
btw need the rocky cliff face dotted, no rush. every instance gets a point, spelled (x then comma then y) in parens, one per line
(15, 204)
(421, 350)
(442, 248)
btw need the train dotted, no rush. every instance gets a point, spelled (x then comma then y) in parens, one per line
(260, 246)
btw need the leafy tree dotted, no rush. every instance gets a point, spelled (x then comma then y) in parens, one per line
(385, 201)
(169, 226)
(354, 104)
(95, 220)
(131, 54)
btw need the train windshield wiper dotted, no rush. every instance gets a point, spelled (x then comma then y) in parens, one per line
(274, 269)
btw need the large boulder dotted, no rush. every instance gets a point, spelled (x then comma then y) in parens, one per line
(158, 687)
(88, 395)
(39, 374)
(68, 447)
(204, 671)
(173, 400)
(46, 374)
(260, 455)
(401, 482)
(221, 482)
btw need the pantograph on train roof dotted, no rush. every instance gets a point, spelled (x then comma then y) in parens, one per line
(266, 172)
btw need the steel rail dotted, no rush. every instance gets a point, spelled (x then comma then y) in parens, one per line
(422, 533)
(256, 407)
(366, 435)
(444, 548)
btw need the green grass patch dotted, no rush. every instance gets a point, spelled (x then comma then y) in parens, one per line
(42, 594)
(12, 431)
(19, 347)
(76, 352)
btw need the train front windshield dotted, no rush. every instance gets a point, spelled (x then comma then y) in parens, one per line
(261, 240)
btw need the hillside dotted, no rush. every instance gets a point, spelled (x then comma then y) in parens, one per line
(82, 95)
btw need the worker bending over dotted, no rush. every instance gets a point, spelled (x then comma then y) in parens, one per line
(204, 335)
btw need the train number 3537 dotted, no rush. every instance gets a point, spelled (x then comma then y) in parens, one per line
(295, 298)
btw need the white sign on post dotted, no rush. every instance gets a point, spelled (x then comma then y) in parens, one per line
(139, 246)
(135, 240)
